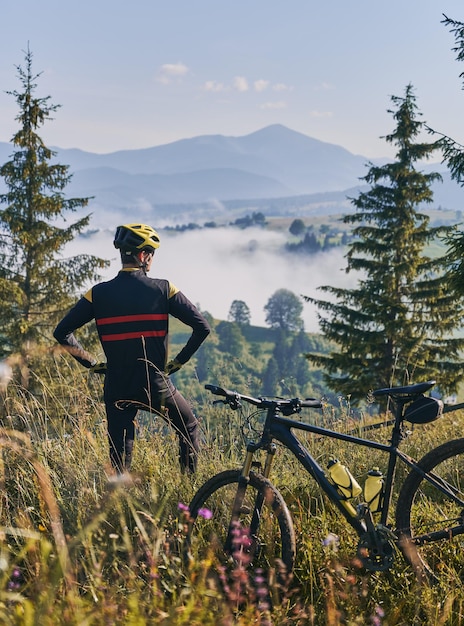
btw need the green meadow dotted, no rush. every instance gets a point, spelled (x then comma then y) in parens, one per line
(79, 546)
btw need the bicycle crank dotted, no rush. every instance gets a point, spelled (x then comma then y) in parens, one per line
(376, 549)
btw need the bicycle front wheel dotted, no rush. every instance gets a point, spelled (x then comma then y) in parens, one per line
(259, 534)
(430, 515)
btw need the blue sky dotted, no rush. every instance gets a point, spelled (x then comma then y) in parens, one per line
(147, 72)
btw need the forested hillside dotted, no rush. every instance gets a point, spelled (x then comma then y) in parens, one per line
(253, 360)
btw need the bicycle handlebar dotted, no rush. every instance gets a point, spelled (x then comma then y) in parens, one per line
(232, 398)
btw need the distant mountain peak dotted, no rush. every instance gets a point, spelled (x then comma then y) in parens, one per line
(267, 164)
(273, 160)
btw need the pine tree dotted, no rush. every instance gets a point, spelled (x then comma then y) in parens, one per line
(453, 156)
(397, 325)
(453, 152)
(36, 283)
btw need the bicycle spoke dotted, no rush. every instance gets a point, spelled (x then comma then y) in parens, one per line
(241, 541)
(430, 522)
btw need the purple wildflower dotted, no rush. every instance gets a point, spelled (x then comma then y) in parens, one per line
(332, 541)
(205, 513)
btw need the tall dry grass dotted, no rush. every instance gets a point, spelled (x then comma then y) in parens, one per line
(81, 546)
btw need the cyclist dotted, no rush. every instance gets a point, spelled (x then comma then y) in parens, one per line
(131, 312)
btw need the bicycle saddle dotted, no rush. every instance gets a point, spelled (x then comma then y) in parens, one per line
(408, 390)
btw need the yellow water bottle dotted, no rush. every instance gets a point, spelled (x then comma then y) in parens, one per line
(341, 476)
(373, 489)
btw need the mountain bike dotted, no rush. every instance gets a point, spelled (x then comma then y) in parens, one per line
(249, 522)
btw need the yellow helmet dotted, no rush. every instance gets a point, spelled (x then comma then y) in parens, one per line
(136, 237)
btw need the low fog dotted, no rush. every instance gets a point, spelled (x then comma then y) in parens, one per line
(215, 266)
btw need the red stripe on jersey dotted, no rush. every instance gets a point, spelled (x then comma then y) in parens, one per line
(135, 335)
(144, 317)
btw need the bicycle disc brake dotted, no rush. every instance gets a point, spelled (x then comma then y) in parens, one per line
(376, 549)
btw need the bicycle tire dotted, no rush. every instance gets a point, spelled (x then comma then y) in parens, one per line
(430, 524)
(274, 543)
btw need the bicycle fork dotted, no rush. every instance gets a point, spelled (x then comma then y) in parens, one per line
(239, 508)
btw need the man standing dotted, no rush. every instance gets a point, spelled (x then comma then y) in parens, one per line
(131, 312)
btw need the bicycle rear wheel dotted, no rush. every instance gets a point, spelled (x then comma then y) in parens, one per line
(430, 523)
(259, 535)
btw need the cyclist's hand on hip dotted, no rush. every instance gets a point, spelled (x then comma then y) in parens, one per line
(172, 366)
(99, 368)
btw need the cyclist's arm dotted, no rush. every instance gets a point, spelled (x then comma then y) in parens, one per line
(80, 314)
(181, 308)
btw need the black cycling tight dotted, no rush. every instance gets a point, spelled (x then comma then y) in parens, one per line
(121, 431)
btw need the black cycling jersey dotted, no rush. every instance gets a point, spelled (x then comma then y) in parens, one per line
(131, 312)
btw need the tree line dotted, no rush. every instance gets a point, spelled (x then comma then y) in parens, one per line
(400, 324)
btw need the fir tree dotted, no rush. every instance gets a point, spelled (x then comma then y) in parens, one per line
(453, 152)
(453, 156)
(397, 326)
(36, 282)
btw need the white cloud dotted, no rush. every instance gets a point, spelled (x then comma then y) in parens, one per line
(241, 83)
(142, 207)
(261, 85)
(273, 105)
(324, 87)
(171, 71)
(315, 113)
(214, 86)
(281, 87)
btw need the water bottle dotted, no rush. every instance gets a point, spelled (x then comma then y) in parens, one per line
(341, 476)
(373, 489)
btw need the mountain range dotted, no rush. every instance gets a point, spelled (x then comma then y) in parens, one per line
(274, 164)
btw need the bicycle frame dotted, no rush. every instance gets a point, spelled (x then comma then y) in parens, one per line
(280, 428)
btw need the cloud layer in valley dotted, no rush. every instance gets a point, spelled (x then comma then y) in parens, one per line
(215, 266)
